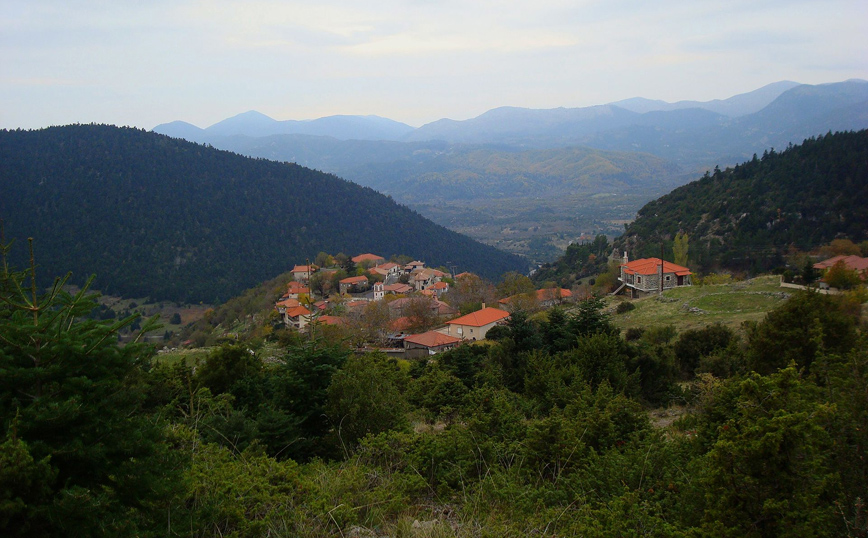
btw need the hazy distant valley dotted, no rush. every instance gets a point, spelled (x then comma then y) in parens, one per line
(530, 181)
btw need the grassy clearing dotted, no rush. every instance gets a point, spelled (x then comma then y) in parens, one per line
(696, 306)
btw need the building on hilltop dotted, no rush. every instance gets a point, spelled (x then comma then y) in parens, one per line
(651, 275)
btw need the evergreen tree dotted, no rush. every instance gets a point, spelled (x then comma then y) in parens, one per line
(88, 461)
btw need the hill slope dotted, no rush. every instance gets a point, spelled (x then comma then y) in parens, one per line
(169, 219)
(747, 217)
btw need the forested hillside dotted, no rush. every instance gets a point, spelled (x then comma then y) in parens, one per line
(161, 217)
(545, 431)
(748, 217)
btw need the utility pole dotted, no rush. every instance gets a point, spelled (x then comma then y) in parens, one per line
(660, 272)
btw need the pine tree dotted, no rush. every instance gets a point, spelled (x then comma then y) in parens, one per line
(70, 414)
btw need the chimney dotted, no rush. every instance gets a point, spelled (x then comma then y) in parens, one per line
(625, 258)
(483, 305)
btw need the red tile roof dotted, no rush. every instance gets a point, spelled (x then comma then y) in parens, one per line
(401, 324)
(354, 280)
(331, 320)
(480, 317)
(367, 257)
(432, 339)
(650, 266)
(550, 294)
(298, 311)
(851, 262)
(297, 287)
(288, 303)
(301, 269)
(398, 288)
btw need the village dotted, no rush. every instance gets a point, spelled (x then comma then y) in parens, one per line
(408, 309)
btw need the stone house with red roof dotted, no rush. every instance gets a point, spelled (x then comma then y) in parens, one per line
(354, 284)
(302, 272)
(651, 275)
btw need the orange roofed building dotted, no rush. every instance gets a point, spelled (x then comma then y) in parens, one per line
(429, 343)
(368, 257)
(475, 325)
(652, 275)
(853, 263)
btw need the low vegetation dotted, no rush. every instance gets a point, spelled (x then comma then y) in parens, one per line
(544, 430)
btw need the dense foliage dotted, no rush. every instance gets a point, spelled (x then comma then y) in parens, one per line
(747, 217)
(544, 431)
(160, 217)
(579, 261)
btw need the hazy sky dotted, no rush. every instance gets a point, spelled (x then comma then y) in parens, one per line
(144, 63)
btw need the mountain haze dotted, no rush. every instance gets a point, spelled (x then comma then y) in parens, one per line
(481, 177)
(256, 124)
(738, 105)
(160, 217)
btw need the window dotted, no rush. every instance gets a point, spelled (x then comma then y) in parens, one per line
(668, 278)
(638, 280)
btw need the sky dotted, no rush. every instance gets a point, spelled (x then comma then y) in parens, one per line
(143, 63)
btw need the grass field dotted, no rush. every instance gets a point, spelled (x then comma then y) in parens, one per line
(696, 306)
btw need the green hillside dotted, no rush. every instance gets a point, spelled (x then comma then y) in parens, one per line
(160, 217)
(747, 217)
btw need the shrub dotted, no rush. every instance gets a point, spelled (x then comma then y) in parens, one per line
(625, 307)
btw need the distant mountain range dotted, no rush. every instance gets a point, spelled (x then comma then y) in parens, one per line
(691, 134)
(255, 124)
(169, 219)
(491, 158)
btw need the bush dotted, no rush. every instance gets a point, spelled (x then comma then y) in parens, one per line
(625, 307)
(634, 333)
(694, 344)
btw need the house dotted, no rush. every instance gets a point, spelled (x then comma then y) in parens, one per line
(302, 272)
(475, 325)
(413, 266)
(295, 289)
(548, 297)
(429, 343)
(391, 268)
(331, 320)
(353, 284)
(422, 279)
(283, 305)
(651, 275)
(853, 263)
(372, 258)
(297, 317)
(378, 271)
(397, 288)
